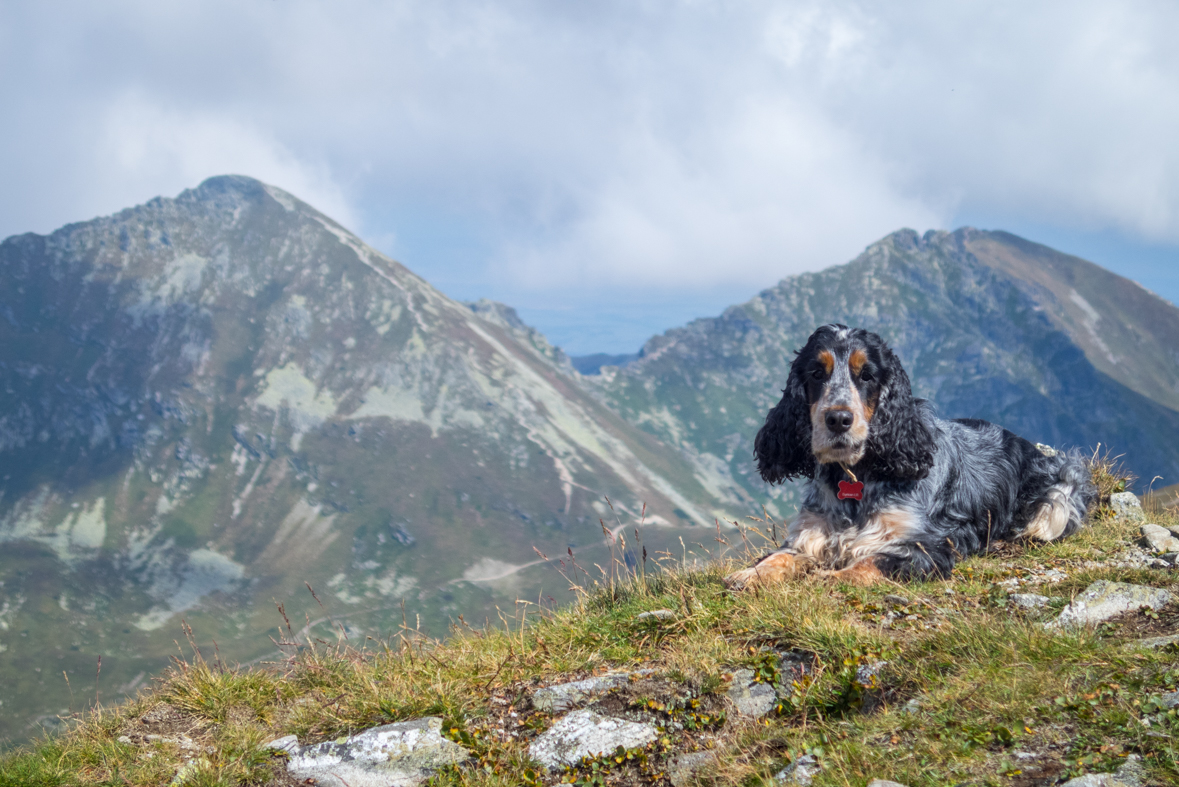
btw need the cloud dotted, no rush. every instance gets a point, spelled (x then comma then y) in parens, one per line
(677, 145)
(143, 146)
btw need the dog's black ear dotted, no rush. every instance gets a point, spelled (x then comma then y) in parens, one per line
(899, 442)
(783, 444)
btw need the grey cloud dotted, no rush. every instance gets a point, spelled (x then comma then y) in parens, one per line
(664, 145)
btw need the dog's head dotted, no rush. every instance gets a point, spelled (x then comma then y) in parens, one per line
(847, 400)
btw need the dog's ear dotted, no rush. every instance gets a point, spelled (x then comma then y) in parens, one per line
(899, 442)
(783, 444)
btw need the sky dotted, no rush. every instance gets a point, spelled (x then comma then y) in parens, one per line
(613, 169)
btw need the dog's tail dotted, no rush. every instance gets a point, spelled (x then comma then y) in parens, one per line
(1061, 510)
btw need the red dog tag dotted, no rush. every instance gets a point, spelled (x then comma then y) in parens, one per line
(851, 491)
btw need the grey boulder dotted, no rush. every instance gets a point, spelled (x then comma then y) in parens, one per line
(584, 733)
(1160, 539)
(1126, 505)
(1029, 600)
(1130, 774)
(750, 698)
(801, 772)
(393, 755)
(1103, 600)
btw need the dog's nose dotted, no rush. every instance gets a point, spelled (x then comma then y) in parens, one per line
(839, 421)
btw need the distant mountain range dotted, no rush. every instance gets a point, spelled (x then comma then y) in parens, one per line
(988, 325)
(208, 401)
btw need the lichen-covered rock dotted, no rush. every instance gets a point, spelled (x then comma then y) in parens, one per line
(656, 614)
(393, 755)
(683, 767)
(1029, 600)
(1130, 774)
(751, 698)
(1126, 505)
(1103, 600)
(1158, 642)
(886, 782)
(1160, 539)
(563, 696)
(584, 733)
(801, 772)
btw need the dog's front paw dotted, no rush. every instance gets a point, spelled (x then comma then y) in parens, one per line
(776, 567)
(861, 574)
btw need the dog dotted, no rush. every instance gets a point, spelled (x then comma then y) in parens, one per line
(896, 492)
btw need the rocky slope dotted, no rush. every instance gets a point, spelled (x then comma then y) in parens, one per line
(208, 401)
(988, 326)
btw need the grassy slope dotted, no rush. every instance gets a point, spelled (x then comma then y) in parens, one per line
(990, 683)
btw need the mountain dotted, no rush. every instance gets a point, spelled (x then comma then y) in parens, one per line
(988, 325)
(208, 401)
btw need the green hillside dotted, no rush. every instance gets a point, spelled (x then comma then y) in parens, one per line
(209, 403)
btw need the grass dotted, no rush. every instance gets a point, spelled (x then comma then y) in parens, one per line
(972, 690)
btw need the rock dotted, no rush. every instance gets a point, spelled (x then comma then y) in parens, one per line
(683, 767)
(1103, 600)
(1130, 774)
(561, 697)
(1126, 505)
(656, 614)
(899, 601)
(800, 772)
(912, 706)
(866, 673)
(287, 743)
(752, 699)
(884, 783)
(1170, 700)
(1159, 539)
(188, 770)
(1029, 600)
(393, 755)
(584, 733)
(1157, 642)
(1170, 558)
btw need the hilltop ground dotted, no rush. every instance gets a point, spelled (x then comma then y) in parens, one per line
(973, 689)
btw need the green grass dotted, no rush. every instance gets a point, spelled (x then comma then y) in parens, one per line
(969, 683)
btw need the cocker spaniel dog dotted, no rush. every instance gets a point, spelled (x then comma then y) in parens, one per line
(894, 490)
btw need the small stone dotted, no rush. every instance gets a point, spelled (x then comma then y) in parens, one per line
(1159, 539)
(554, 699)
(1103, 600)
(1029, 600)
(393, 755)
(683, 767)
(189, 769)
(1170, 558)
(287, 743)
(912, 706)
(584, 733)
(800, 772)
(1170, 700)
(1157, 642)
(751, 698)
(1130, 774)
(866, 673)
(899, 601)
(656, 614)
(884, 783)
(124, 739)
(1126, 505)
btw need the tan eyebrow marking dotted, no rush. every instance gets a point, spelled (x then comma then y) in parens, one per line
(856, 361)
(828, 360)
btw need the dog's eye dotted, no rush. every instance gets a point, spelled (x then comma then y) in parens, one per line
(818, 374)
(867, 376)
